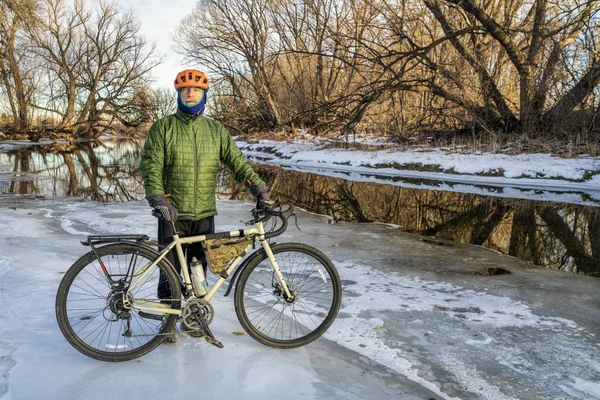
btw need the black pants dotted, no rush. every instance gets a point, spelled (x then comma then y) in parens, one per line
(185, 229)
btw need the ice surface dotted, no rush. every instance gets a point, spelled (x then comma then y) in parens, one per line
(402, 332)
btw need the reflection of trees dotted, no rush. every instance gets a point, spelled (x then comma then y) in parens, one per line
(523, 243)
(564, 236)
(594, 235)
(227, 188)
(73, 188)
(481, 219)
(22, 185)
(101, 171)
(577, 231)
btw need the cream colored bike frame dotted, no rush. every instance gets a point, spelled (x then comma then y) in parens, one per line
(139, 304)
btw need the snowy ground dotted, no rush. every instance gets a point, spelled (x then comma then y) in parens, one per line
(417, 321)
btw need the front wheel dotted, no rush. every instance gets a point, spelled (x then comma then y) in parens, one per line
(91, 304)
(262, 307)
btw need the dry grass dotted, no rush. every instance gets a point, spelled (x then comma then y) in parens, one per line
(567, 147)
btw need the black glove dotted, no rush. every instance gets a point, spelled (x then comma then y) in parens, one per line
(262, 194)
(160, 204)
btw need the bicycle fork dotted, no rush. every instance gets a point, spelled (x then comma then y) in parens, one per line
(289, 297)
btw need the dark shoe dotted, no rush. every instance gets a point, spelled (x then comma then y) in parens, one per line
(191, 332)
(171, 338)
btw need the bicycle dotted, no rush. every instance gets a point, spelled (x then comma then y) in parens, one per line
(286, 296)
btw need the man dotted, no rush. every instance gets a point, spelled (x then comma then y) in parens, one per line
(180, 167)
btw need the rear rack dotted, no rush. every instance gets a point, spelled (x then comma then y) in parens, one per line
(95, 239)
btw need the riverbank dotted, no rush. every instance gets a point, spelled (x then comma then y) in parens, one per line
(575, 180)
(376, 156)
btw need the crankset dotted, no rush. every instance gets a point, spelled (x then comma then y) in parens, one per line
(197, 314)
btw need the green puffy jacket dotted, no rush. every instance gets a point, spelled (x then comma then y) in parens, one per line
(181, 157)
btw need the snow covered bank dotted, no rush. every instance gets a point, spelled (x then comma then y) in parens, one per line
(533, 176)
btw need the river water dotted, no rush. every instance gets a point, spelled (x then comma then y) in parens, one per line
(558, 235)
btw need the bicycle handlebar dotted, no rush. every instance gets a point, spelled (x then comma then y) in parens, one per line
(264, 212)
(261, 213)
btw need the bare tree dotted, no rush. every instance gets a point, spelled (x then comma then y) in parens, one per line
(15, 70)
(59, 44)
(529, 38)
(116, 61)
(146, 105)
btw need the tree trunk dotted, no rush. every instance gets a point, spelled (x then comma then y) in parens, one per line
(20, 119)
(9, 90)
(596, 121)
(575, 96)
(67, 119)
(528, 115)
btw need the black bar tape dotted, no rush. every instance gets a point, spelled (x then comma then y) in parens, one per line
(219, 235)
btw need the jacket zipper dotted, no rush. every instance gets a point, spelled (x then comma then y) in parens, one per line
(195, 166)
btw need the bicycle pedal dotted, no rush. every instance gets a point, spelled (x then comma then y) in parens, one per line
(214, 342)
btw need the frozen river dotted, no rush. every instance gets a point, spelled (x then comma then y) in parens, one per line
(420, 319)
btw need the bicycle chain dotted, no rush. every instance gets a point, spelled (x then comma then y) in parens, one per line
(165, 334)
(160, 300)
(169, 333)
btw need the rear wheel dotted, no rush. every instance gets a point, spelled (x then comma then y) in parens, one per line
(263, 310)
(91, 304)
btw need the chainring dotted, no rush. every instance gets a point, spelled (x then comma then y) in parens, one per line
(199, 307)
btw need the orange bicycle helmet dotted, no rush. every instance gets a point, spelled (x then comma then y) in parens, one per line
(191, 78)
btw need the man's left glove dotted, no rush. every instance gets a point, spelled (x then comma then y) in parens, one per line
(262, 194)
(160, 204)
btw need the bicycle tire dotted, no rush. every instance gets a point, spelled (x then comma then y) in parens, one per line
(257, 296)
(103, 333)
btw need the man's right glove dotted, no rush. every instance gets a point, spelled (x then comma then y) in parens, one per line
(160, 204)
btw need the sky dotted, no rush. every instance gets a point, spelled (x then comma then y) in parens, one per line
(436, 331)
(159, 20)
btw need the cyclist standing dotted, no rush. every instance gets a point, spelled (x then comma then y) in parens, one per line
(180, 167)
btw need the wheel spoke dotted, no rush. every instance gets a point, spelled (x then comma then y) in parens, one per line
(311, 279)
(92, 314)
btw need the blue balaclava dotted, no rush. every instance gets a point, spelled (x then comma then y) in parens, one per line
(194, 109)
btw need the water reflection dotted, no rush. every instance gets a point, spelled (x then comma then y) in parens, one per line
(102, 171)
(559, 235)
